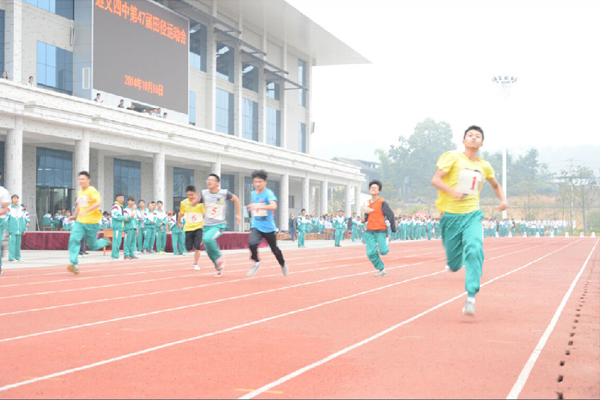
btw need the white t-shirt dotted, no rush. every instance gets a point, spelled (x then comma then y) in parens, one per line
(4, 198)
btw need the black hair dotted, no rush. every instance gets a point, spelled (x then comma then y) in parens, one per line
(190, 188)
(119, 195)
(151, 203)
(160, 201)
(84, 173)
(216, 176)
(376, 182)
(13, 196)
(260, 174)
(130, 199)
(474, 128)
(141, 201)
(97, 94)
(304, 209)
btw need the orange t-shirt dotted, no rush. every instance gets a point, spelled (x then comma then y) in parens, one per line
(376, 222)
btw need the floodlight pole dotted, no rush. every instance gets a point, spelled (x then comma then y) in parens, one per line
(506, 82)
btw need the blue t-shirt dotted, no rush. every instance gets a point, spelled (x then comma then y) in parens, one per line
(263, 223)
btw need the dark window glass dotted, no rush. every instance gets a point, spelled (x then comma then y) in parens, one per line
(227, 182)
(225, 62)
(192, 110)
(54, 168)
(2, 42)
(273, 90)
(64, 8)
(302, 138)
(182, 177)
(2, 162)
(128, 178)
(250, 77)
(250, 120)
(224, 112)
(302, 81)
(198, 45)
(54, 68)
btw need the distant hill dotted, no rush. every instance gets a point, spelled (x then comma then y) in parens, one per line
(560, 158)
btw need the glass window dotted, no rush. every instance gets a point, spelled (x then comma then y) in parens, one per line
(273, 90)
(224, 112)
(64, 8)
(250, 77)
(2, 42)
(198, 45)
(54, 168)
(192, 110)
(302, 138)
(250, 120)
(227, 182)
(128, 178)
(182, 177)
(225, 62)
(302, 81)
(273, 127)
(54, 68)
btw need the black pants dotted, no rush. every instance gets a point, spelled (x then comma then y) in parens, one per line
(255, 239)
(82, 246)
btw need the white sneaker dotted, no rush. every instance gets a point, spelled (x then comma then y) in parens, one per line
(381, 273)
(254, 268)
(469, 308)
(284, 269)
(196, 268)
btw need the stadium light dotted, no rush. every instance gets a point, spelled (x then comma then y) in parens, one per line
(506, 83)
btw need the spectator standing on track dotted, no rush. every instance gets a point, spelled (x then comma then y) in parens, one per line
(194, 222)
(150, 223)
(87, 215)
(293, 224)
(118, 219)
(215, 206)
(459, 180)
(302, 224)
(129, 229)
(161, 228)
(4, 204)
(177, 236)
(263, 206)
(376, 211)
(15, 223)
(141, 233)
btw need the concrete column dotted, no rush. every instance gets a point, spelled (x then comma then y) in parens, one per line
(210, 100)
(348, 208)
(284, 202)
(324, 197)
(100, 181)
(14, 40)
(215, 168)
(241, 194)
(159, 176)
(262, 106)
(306, 194)
(13, 177)
(283, 95)
(238, 101)
(357, 199)
(81, 157)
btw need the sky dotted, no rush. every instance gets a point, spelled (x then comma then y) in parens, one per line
(436, 59)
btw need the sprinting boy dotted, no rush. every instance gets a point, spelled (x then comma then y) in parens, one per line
(194, 222)
(459, 180)
(377, 210)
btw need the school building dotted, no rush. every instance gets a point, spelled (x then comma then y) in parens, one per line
(234, 78)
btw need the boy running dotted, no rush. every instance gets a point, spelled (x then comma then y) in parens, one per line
(459, 180)
(377, 211)
(194, 222)
(263, 206)
(215, 203)
(86, 215)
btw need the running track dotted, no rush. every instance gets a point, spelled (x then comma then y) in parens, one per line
(157, 329)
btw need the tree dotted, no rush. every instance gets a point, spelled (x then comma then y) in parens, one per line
(585, 190)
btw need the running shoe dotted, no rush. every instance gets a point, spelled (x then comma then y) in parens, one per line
(73, 268)
(254, 268)
(284, 269)
(381, 273)
(220, 265)
(469, 308)
(196, 267)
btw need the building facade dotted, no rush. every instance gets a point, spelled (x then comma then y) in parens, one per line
(244, 104)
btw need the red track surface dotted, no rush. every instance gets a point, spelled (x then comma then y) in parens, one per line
(328, 330)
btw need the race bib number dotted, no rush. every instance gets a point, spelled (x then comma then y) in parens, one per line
(194, 218)
(214, 211)
(83, 201)
(260, 213)
(469, 182)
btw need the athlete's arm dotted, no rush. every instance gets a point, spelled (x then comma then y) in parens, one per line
(236, 201)
(499, 193)
(439, 184)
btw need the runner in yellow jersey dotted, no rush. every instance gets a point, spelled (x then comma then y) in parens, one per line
(459, 180)
(194, 222)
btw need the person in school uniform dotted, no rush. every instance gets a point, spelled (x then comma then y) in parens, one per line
(4, 209)
(354, 227)
(339, 224)
(376, 213)
(15, 223)
(177, 235)
(302, 224)
(47, 221)
(150, 224)
(118, 218)
(141, 232)
(161, 228)
(129, 228)
(68, 224)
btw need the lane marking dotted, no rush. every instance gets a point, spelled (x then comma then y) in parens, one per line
(524, 375)
(380, 334)
(251, 390)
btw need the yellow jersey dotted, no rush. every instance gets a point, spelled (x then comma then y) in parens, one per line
(464, 176)
(86, 199)
(194, 216)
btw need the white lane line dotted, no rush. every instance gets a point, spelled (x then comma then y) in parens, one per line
(163, 346)
(378, 335)
(524, 375)
(197, 304)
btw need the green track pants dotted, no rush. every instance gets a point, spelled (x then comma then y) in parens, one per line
(376, 246)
